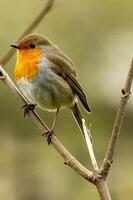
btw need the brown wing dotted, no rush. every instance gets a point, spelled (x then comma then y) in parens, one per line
(66, 70)
(76, 87)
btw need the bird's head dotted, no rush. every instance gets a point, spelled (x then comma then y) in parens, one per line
(32, 45)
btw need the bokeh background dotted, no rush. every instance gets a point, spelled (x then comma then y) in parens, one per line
(98, 36)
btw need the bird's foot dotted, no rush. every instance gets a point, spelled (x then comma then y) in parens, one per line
(49, 134)
(28, 107)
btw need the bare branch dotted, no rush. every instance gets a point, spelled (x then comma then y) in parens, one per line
(29, 29)
(68, 158)
(118, 122)
(96, 177)
(65, 154)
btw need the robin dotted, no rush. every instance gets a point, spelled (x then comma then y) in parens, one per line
(47, 78)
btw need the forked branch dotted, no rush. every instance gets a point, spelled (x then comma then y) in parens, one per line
(98, 176)
(65, 154)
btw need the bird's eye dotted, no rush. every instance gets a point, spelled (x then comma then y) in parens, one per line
(32, 45)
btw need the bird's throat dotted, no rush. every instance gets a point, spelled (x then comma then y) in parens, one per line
(27, 65)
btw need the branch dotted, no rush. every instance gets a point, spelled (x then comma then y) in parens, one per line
(29, 29)
(118, 122)
(103, 190)
(69, 159)
(65, 154)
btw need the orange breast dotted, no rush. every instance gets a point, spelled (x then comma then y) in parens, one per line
(27, 65)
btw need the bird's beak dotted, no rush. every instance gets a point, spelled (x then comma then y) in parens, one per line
(16, 46)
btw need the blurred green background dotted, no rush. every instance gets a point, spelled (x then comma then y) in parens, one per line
(98, 36)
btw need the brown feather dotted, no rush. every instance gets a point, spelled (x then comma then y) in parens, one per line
(78, 117)
(66, 70)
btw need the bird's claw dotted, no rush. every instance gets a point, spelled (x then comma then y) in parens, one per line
(27, 108)
(49, 135)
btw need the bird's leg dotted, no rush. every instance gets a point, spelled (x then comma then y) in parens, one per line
(51, 131)
(28, 107)
(55, 119)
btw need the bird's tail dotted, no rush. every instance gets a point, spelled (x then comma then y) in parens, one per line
(79, 119)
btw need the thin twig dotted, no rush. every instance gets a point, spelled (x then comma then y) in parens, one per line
(29, 29)
(118, 122)
(90, 146)
(96, 177)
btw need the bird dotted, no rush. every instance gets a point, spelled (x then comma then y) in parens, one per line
(48, 79)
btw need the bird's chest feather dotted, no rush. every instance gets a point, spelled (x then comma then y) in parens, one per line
(26, 69)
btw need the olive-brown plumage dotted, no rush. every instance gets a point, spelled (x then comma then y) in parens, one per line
(47, 77)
